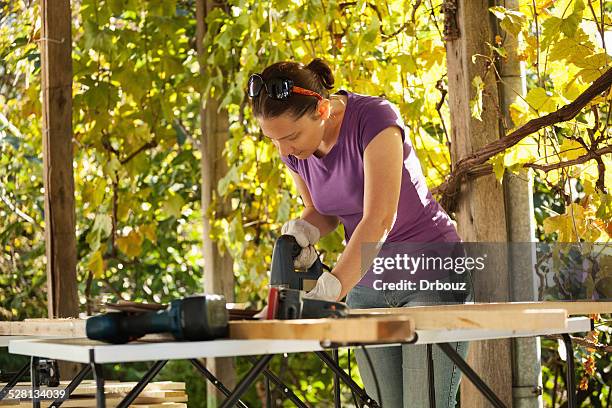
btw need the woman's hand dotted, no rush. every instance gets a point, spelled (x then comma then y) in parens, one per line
(306, 235)
(328, 287)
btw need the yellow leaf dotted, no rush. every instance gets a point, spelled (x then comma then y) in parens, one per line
(540, 101)
(131, 245)
(571, 149)
(569, 226)
(148, 231)
(96, 264)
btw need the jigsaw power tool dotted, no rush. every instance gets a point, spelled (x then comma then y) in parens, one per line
(285, 299)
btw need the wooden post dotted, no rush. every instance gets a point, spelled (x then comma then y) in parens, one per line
(481, 214)
(56, 70)
(60, 240)
(526, 367)
(218, 268)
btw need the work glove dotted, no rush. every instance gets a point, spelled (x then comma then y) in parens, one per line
(262, 314)
(306, 235)
(328, 287)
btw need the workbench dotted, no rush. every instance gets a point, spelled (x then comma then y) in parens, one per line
(470, 326)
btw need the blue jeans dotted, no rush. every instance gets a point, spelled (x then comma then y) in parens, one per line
(402, 370)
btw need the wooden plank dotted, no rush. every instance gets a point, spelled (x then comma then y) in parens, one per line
(359, 329)
(573, 308)
(112, 402)
(88, 387)
(431, 319)
(44, 327)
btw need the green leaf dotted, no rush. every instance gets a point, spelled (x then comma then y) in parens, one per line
(100, 230)
(173, 205)
(230, 178)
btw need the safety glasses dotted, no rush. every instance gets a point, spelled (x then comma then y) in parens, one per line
(277, 88)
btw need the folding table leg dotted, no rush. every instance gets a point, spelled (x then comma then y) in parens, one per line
(72, 386)
(285, 390)
(361, 394)
(13, 381)
(268, 395)
(571, 371)
(336, 380)
(35, 375)
(471, 374)
(247, 380)
(430, 377)
(135, 392)
(99, 377)
(214, 380)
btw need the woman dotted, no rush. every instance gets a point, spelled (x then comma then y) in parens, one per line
(352, 162)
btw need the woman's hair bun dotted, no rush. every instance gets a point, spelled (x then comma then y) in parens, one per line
(323, 72)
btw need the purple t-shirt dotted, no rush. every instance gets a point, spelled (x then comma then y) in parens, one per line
(336, 180)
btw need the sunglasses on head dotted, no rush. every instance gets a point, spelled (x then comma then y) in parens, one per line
(277, 88)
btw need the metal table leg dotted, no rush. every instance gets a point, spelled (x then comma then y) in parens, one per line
(430, 377)
(13, 381)
(133, 394)
(282, 386)
(35, 375)
(571, 371)
(247, 380)
(336, 380)
(99, 377)
(72, 386)
(210, 377)
(471, 374)
(361, 394)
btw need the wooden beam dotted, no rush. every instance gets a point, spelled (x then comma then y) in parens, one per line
(525, 319)
(56, 71)
(573, 308)
(361, 329)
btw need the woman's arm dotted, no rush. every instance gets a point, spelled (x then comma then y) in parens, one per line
(325, 223)
(383, 161)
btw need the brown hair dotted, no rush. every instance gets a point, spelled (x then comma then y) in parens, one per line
(316, 76)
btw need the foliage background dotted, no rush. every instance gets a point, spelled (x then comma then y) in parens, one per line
(136, 128)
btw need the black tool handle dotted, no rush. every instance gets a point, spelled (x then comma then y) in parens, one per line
(282, 273)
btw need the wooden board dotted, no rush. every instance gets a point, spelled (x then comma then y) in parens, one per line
(92, 403)
(573, 307)
(528, 319)
(359, 329)
(44, 327)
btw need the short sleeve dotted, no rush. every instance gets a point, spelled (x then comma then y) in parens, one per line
(291, 162)
(376, 116)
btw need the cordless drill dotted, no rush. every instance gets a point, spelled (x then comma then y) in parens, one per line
(192, 318)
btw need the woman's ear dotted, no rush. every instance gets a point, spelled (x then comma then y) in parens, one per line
(324, 109)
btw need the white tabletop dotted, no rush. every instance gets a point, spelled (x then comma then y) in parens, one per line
(86, 351)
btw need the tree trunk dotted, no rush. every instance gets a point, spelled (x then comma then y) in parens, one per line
(60, 240)
(218, 268)
(481, 214)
